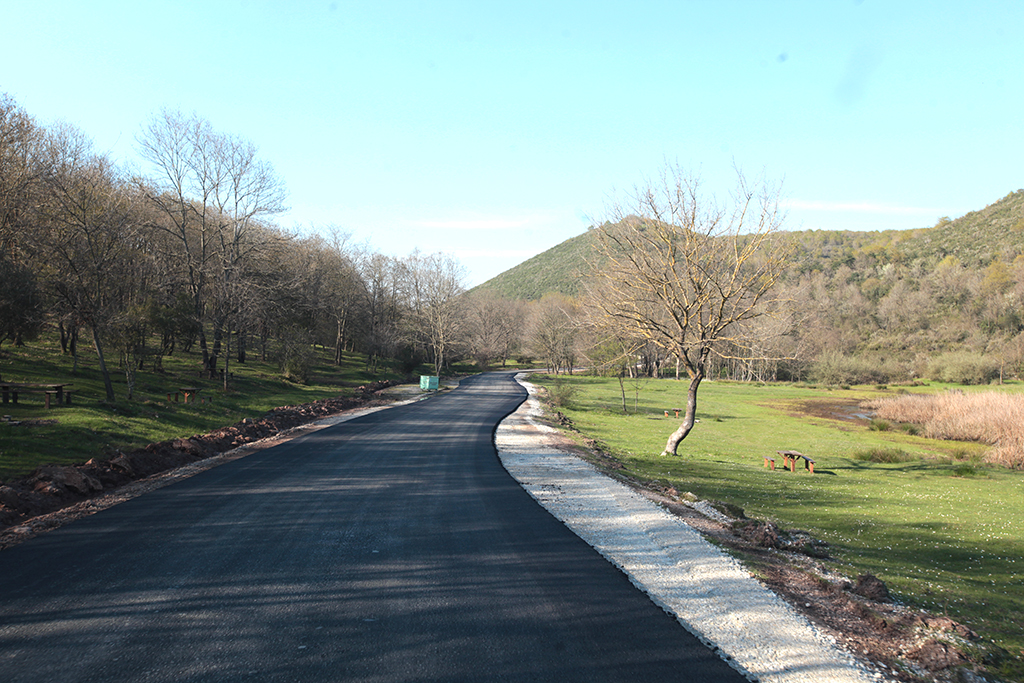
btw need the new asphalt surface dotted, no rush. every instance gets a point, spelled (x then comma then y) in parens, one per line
(393, 547)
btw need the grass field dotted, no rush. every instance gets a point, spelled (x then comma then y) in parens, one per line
(944, 531)
(90, 427)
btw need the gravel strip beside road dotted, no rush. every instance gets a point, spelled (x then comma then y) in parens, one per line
(710, 593)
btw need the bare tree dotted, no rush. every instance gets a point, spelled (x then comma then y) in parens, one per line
(92, 237)
(437, 284)
(383, 297)
(20, 301)
(554, 331)
(213, 192)
(332, 282)
(494, 326)
(20, 296)
(249, 193)
(181, 189)
(681, 271)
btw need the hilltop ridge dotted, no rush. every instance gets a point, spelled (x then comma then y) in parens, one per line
(975, 240)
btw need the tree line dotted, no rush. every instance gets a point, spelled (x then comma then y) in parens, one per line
(186, 255)
(941, 303)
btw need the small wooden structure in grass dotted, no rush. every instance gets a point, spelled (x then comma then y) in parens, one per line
(60, 392)
(789, 459)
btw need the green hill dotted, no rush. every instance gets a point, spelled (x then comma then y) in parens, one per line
(978, 238)
(558, 269)
(975, 240)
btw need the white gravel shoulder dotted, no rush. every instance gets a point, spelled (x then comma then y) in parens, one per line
(710, 593)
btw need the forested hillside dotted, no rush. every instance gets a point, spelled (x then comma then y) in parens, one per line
(556, 270)
(868, 306)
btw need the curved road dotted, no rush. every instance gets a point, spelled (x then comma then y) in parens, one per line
(392, 547)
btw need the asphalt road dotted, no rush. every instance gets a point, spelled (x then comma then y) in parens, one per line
(393, 547)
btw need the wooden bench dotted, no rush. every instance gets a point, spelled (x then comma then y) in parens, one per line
(190, 394)
(11, 390)
(789, 459)
(769, 461)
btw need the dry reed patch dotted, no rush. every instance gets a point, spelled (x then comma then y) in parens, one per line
(990, 417)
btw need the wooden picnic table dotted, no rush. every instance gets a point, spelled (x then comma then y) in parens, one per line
(189, 392)
(10, 391)
(789, 459)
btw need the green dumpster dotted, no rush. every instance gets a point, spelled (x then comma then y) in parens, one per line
(428, 383)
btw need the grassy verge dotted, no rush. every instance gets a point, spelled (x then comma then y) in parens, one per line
(945, 532)
(90, 427)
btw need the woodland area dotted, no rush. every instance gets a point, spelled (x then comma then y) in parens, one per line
(188, 256)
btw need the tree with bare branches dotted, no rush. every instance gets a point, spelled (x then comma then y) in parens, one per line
(493, 326)
(90, 237)
(212, 192)
(685, 272)
(554, 332)
(436, 286)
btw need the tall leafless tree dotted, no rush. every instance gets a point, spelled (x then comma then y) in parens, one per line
(495, 326)
(682, 271)
(437, 282)
(92, 238)
(383, 300)
(213, 191)
(554, 331)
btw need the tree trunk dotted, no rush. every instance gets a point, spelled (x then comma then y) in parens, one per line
(129, 377)
(622, 390)
(242, 336)
(339, 340)
(227, 358)
(203, 347)
(691, 417)
(107, 384)
(74, 351)
(214, 358)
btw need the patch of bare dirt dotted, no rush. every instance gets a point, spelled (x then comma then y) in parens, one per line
(846, 410)
(905, 644)
(56, 494)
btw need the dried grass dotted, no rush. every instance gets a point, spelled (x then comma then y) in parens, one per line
(989, 417)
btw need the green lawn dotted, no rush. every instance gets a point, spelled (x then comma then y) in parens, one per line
(944, 532)
(92, 428)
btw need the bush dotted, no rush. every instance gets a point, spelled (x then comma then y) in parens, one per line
(296, 362)
(878, 425)
(561, 393)
(965, 470)
(836, 369)
(963, 367)
(884, 455)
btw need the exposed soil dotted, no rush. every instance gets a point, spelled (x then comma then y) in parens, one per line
(902, 643)
(55, 494)
(844, 410)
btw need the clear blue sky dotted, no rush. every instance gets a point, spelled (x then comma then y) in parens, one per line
(494, 131)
